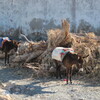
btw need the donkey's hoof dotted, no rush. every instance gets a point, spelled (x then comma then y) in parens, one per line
(70, 82)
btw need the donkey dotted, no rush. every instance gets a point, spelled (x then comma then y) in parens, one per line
(7, 46)
(68, 61)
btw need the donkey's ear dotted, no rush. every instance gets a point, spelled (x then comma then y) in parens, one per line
(85, 56)
(18, 43)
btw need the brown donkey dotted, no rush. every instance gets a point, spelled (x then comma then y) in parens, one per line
(7, 46)
(68, 61)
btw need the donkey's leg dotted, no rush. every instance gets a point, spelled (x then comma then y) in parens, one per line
(5, 57)
(56, 64)
(59, 72)
(70, 75)
(67, 72)
(8, 59)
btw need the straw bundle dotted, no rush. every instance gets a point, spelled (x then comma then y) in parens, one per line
(59, 37)
(56, 38)
(88, 45)
(83, 44)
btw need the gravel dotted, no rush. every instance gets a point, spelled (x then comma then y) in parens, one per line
(23, 87)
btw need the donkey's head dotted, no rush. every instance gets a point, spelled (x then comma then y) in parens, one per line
(76, 59)
(15, 44)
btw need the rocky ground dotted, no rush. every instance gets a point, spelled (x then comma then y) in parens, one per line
(18, 84)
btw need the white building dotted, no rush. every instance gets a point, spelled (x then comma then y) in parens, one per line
(40, 15)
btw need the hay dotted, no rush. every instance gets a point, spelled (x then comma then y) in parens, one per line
(59, 37)
(40, 52)
(56, 38)
(91, 35)
(83, 45)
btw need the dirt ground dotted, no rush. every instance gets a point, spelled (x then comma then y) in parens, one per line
(19, 85)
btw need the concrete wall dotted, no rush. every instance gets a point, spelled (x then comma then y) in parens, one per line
(40, 15)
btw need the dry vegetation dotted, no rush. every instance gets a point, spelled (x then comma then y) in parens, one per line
(37, 55)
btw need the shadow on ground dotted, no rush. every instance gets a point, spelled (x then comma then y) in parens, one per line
(29, 89)
(17, 73)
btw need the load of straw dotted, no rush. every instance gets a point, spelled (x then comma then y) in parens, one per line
(88, 45)
(59, 37)
(84, 45)
(56, 38)
(40, 52)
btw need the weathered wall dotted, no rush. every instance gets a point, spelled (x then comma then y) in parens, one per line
(40, 15)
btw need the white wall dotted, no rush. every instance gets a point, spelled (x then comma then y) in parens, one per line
(33, 15)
